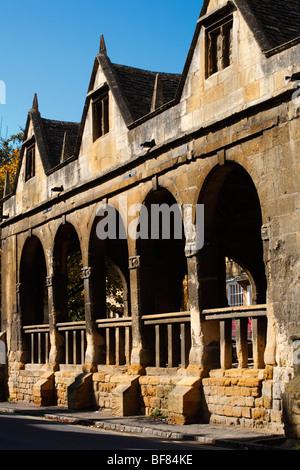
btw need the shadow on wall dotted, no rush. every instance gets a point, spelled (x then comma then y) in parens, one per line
(3, 391)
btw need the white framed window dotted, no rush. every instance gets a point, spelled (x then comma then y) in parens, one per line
(235, 294)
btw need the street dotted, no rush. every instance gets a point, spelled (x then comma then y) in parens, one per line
(23, 433)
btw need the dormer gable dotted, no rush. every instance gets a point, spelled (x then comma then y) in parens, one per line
(133, 89)
(274, 23)
(46, 144)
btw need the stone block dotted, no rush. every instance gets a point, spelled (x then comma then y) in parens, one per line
(185, 399)
(79, 392)
(44, 390)
(124, 398)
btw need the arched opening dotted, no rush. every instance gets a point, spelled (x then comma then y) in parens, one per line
(33, 291)
(33, 300)
(68, 296)
(232, 231)
(163, 281)
(231, 262)
(115, 290)
(108, 258)
(161, 248)
(109, 287)
(68, 292)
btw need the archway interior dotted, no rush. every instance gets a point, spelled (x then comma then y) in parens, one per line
(163, 274)
(33, 296)
(232, 232)
(108, 258)
(69, 289)
(33, 290)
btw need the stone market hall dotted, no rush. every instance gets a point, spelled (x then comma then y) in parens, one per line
(137, 324)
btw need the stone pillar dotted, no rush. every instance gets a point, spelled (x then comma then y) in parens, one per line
(17, 348)
(196, 359)
(270, 351)
(206, 284)
(95, 350)
(138, 355)
(56, 340)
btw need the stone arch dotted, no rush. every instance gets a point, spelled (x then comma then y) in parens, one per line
(233, 221)
(33, 274)
(33, 292)
(108, 260)
(161, 247)
(67, 279)
(164, 182)
(233, 156)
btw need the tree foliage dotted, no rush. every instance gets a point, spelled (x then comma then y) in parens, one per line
(9, 158)
(114, 291)
(9, 161)
(75, 287)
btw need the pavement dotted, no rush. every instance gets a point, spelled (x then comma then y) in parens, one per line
(233, 437)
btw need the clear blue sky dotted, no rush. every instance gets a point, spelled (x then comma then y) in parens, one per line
(49, 48)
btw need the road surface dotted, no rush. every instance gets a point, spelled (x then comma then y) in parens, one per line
(27, 433)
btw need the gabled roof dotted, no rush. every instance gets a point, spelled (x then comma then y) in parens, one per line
(54, 132)
(133, 88)
(279, 19)
(273, 22)
(55, 140)
(137, 86)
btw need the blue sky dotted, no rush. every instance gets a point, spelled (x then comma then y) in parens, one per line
(49, 48)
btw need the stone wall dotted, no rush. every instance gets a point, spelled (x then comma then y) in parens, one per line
(242, 397)
(239, 397)
(21, 384)
(103, 386)
(154, 393)
(63, 379)
(291, 394)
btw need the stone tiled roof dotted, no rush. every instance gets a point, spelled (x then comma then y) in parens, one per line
(54, 132)
(137, 87)
(273, 22)
(279, 19)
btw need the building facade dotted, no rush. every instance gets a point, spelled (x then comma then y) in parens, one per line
(106, 197)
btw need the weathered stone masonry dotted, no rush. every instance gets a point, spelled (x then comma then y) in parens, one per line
(225, 135)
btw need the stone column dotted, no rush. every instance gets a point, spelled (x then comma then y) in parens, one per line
(205, 280)
(56, 340)
(95, 350)
(138, 356)
(16, 335)
(196, 358)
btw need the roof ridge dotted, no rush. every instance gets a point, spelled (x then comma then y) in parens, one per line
(58, 121)
(154, 73)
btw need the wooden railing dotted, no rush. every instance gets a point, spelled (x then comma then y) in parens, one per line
(74, 341)
(170, 336)
(167, 335)
(39, 343)
(257, 315)
(118, 340)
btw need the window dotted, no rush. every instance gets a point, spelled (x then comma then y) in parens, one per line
(30, 162)
(100, 115)
(219, 46)
(235, 295)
